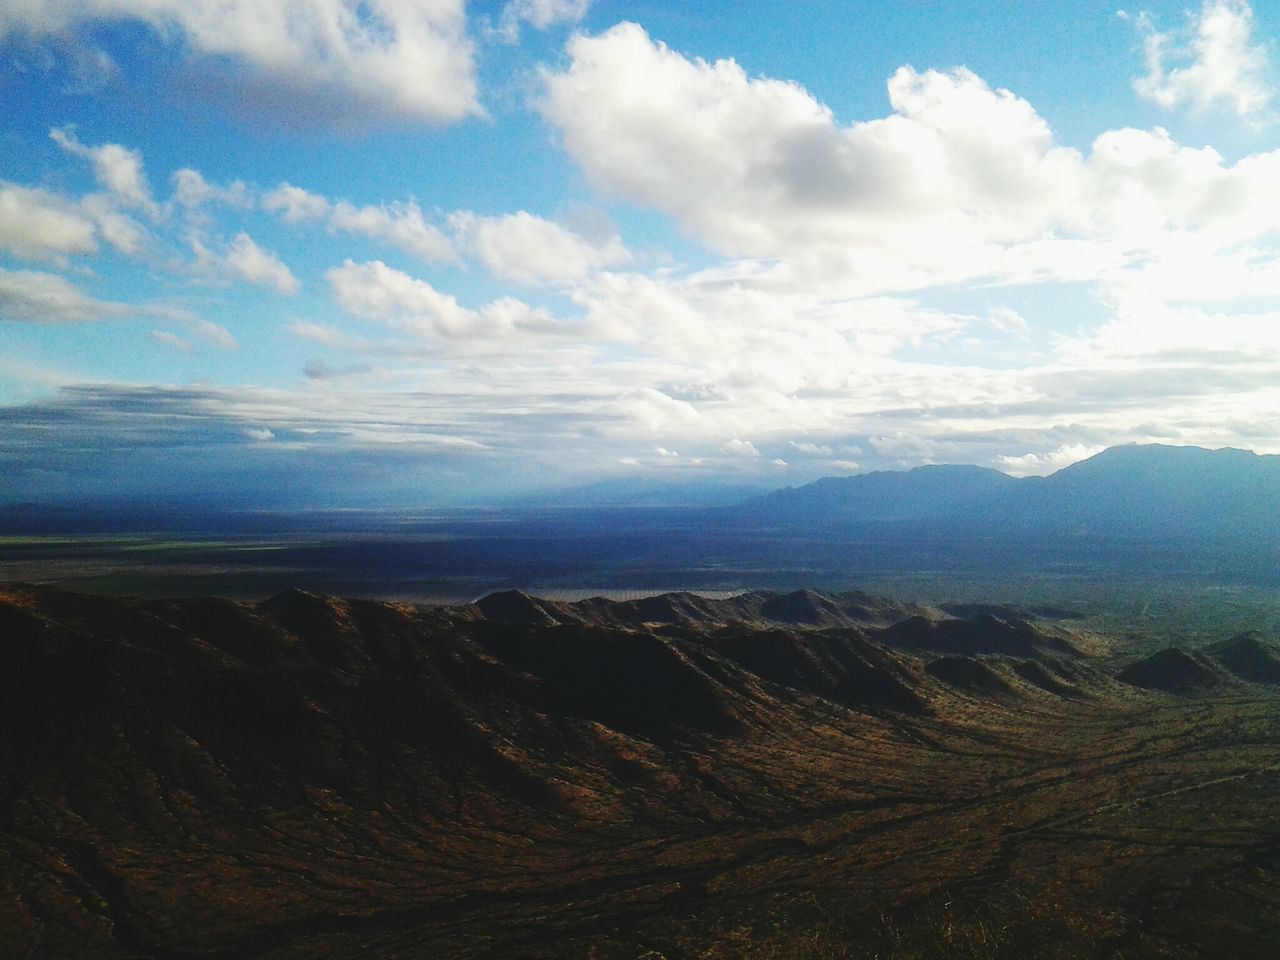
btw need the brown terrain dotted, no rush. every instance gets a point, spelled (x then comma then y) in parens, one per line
(769, 776)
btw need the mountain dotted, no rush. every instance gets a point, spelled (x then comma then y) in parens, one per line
(1176, 494)
(980, 634)
(1172, 492)
(1176, 671)
(923, 493)
(1249, 656)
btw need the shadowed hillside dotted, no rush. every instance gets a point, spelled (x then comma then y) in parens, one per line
(317, 777)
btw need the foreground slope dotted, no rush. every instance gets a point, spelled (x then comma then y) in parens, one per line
(314, 777)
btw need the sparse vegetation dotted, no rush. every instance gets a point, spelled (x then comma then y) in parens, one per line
(667, 777)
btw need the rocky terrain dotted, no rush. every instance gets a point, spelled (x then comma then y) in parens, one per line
(771, 775)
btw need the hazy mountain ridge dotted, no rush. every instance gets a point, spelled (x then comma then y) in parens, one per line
(1144, 491)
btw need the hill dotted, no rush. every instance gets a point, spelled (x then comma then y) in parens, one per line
(763, 776)
(1249, 656)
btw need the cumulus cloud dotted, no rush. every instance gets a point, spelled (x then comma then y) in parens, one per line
(530, 250)
(191, 190)
(38, 225)
(740, 448)
(245, 259)
(812, 449)
(37, 297)
(1220, 64)
(295, 205)
(960, 181)
(117, 168)
(400, 224)
(372, 59)
(1009, 321)
(539, 14)
(758, 167)
(377, 292)
(869, 266)
(1043, 464)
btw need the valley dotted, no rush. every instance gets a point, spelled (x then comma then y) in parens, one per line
(764, 775)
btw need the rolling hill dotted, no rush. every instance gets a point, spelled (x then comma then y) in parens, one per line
(770, 776)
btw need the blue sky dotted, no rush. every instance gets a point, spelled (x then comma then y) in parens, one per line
(338, 253)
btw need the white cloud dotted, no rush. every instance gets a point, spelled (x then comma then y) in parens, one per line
(812, 449)
(115, 226)
(1043, 464)
(295, 205)
(400, 224)
(366, 59)
(212, 333)
(37, 297)
(805, 332)
(740, 448)
(758, 167)
(192, 190)
(654, 411)
(530, 250)
(1009, 321)
(1222, 64)
(245, 259)
(117, 168)
(374, 291)
(539, 14)
(38, 225)
(959, 182)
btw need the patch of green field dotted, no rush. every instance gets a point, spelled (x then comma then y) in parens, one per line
(61, 541)
(220, 546)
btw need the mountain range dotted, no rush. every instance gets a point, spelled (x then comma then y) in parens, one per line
(1225, 496)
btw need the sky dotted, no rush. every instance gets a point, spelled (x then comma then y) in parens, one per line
(427, 252)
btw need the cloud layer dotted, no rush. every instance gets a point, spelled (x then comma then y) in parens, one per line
(750, 286)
